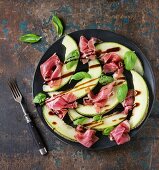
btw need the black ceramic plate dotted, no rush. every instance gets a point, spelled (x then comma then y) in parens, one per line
(105, 36)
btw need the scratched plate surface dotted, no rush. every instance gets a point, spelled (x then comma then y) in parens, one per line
(107, 37)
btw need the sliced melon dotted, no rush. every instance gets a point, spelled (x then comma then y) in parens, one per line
(70, 45)
(54, 93)
(89, 110)
(108, 121)
(109, 45)
(58, 125)
(81, 87)
(73, 114)
(141, 100)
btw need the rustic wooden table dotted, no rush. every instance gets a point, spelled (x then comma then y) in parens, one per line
(137, 20)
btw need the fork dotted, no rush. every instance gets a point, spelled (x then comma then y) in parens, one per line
(35, 134)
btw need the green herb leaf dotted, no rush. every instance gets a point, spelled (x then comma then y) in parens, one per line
(104, 79)
(72, 55)
(39, 98)
(129, 60)
(97, 118)
(70, 64)
(80, 75)
(122, 92)
(80, 121)
(30, 38)
(72, 59)
(108, 130)
(58, 25)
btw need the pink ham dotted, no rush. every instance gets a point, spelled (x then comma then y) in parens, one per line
(80, 128)
(87, 49)
(51, 70)
(83, 44)
(112, 64)
(60, 113)
(120, 133)
(118, 73)
(110, 57)
(129, 102)
(86, 138)
(110, 68)
(60, 103)
(91, 43)
(99, 99)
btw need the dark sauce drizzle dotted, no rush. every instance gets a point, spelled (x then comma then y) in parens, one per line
(70, 60)
(63, 76)
(54, 123)
(51, 113)
(121, 78)
(94, 66)
(115, 49)
(116, 84)
(137, 92)
(136, 104)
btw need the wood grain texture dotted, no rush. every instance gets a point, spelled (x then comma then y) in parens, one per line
(137, 20)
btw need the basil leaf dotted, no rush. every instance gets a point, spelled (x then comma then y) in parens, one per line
(107, 130)
(104, 79)
(58, 25)
(80, 121)
(97, 117)
(30, 38)
(71, 64)
(72, 55)
(72, 59)
(39, 98)
(129, 60)
(80, 75)
(122, 92)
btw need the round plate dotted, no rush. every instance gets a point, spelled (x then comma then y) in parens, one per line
(105, 36)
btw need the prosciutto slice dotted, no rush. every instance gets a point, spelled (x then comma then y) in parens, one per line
(87, 138)
(128, 103)
(80, 128)
(120, 133)
(112, 64)
(51, 70)
(99, 99)
(87, 49)
(60, 103)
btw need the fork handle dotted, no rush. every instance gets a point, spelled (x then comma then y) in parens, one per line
(36, 135)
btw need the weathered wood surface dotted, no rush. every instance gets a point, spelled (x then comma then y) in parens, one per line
(137, 20)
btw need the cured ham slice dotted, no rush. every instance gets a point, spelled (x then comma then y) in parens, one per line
(112, 64)
(80, 128)
(128, 103)
(60, 113)
(118, 73)
(87, 49)
(99, 99)
(60, 103)
(120, 133)
(87, 138)
(110, 57)
(51, 70)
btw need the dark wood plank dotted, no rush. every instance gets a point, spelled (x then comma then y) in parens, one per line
(137, 20)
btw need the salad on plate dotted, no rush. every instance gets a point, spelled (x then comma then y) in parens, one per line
(109, 96)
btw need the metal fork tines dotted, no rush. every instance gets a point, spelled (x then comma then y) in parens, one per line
(17, 96)
(15, 90)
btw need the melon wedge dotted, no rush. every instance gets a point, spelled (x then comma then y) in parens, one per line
(141, 102)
